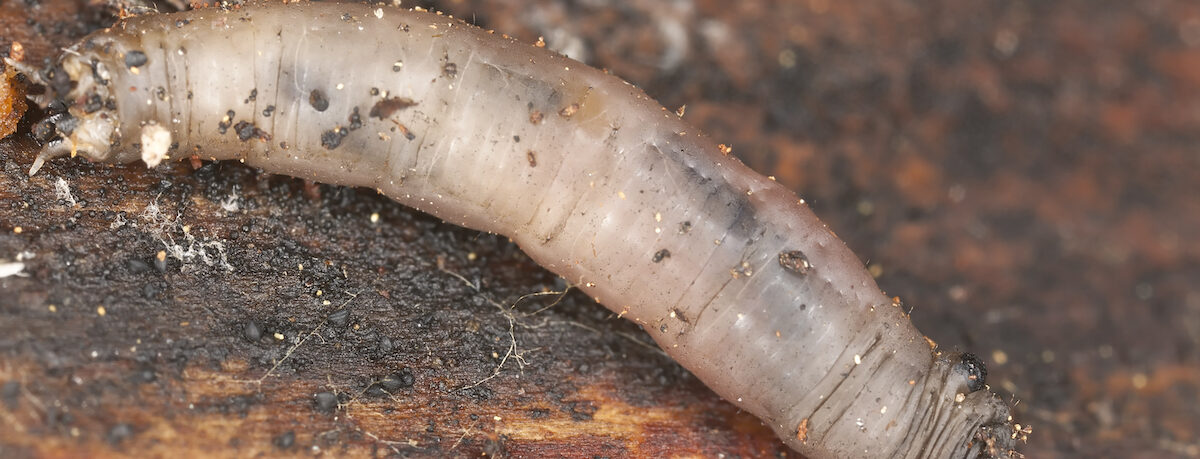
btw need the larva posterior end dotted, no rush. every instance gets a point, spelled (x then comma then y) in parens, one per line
(996, 441)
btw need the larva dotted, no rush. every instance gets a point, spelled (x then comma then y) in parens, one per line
(729, 272)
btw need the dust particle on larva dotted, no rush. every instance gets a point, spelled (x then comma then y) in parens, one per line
(794, 261)
(386, 107)
(660, 255)
(332, 138)
(225, 122)
(529, 155)
(317, 99)
(535, 117)
(246, 130)
(92, 104)
(135, 59)
(405, 132)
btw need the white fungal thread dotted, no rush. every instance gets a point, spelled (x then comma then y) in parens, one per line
(190, 248)
(62, 190)
(11, 268)
(230, 203)
(745, 287)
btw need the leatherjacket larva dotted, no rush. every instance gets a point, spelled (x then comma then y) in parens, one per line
(728, 271)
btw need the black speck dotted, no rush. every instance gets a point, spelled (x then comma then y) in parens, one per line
(246, 131)
(285, 440)
(340, 318)
(374, 91)
(149, 291)
(146, 376)
(253, 96)
(94, 103)
(355, 120)
(268, 111)
(317, 99)
(223, 125)
(976, 371)
(119, 433)
(325, 401)
(95, 64)
(658, 256)
(332, 138)
(517, 138)
(135, 59)
(137, 266)
(385, 346)
(251, 332)
(450, 70)
(685, 227)
(394, 382)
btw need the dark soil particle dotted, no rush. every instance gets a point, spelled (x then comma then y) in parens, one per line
(325, 402)
(318, 100)
(285, 440)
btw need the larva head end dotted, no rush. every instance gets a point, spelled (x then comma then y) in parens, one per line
(83, 116)
(54, 149)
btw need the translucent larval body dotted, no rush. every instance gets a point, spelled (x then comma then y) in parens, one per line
(728, 271)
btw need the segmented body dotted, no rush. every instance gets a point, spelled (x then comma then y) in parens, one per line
(728, 271)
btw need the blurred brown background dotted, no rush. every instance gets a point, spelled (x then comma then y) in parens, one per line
(1025, 174)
